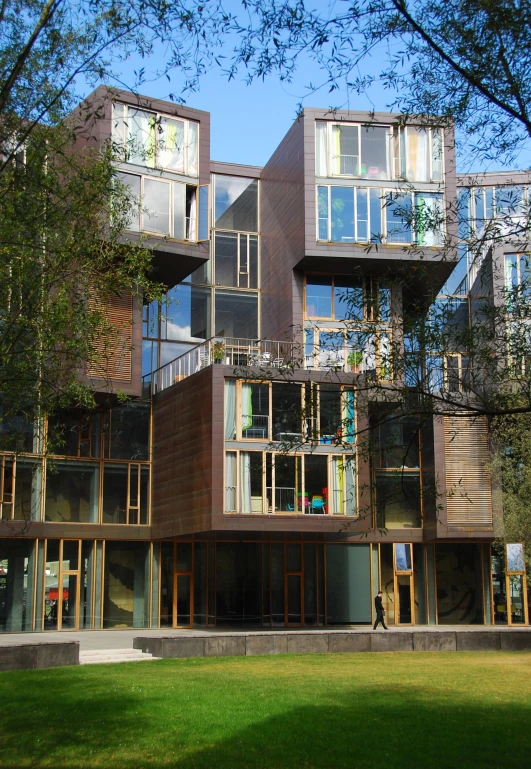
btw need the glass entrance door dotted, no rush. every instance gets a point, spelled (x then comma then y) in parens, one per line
(183, 585)
(182, 604)
(62, 585)
(293, 585)
(403, 568)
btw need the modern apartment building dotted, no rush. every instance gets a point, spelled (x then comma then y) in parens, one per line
(235, 487)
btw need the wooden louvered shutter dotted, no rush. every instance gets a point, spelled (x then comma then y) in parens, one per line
(468, 482)
(112, 353)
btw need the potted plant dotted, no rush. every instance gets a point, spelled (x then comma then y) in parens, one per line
(354, 360)
(218, 351)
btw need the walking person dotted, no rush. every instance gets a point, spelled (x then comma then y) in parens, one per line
(380, 611)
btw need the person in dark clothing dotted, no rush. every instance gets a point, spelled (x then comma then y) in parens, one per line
(380, 611)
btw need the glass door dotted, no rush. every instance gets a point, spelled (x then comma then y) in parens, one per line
(403, 568)
(293, 585)
(183, 585)
(62, 585)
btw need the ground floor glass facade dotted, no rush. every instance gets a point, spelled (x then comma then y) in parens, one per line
(67, 584)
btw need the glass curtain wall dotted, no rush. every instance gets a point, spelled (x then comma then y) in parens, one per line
(221, 297)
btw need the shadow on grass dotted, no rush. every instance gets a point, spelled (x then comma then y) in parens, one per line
(131, 720)
(362, 734)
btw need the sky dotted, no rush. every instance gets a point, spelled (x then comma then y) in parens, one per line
(249, 121)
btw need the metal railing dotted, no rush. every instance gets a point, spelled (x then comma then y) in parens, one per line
(261, 353)
(255, 426)
(348, 165)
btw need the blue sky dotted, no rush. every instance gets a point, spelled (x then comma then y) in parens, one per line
(248, 121)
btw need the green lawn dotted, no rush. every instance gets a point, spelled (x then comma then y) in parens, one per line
(355, 711)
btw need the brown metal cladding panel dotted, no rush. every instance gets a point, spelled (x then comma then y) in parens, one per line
(43, 529)
(183, 457)
(282, 230)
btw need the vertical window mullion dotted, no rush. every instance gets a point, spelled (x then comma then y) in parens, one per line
(273, 483)
(355, 202)
(185, 148)
(329, 210)
(430, 154)
(141, 204)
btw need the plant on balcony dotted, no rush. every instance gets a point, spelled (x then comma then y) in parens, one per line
(218, 351)
(354, 360)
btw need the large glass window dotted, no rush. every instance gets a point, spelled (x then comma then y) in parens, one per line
(429, 219)
(236, 203)
(156, 141)
(287, 411)
(251, 482)
(128, 432)
(236, 260)
(397, 500)
(288, 482)
(162, 207)
(356, 214)
(236, 315)
(348, 584)
(28, 489)
(126, 584)
(185, 314)
(512, 211)
(349, 214)
(305, 484)
(359, 352)
(115, 496)
(345, 150)
(330, 413)
(343, 486)
(238, 583)
(71, 491)
(399, 218)
(353, 150)
(125, 493)
(342, 214)
(375, 143)
(316, 489)
(318, 297)
(75, 433)
(397, 443)
(255, 410)
(344, 298)
(157, 206)
(459, 584)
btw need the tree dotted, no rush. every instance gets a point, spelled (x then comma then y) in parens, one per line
(62, 212)
(512, 463)
(465, 62)
(61, 223)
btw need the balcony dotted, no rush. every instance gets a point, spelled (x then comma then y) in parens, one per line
(239, 353)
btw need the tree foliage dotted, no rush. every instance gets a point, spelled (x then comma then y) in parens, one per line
(466, 62)
(62, 210)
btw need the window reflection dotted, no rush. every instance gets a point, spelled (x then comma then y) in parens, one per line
(236, 315)
(72, 492)
(236, 203)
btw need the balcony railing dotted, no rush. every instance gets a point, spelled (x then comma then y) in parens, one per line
(260, 353)
(347, 165)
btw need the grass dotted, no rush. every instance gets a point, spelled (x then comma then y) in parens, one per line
(358, 711)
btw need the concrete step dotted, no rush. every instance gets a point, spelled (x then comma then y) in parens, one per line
(106, 656)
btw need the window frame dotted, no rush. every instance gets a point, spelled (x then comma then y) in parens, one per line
(299, 455)
(239, 235)
(387, 197)
(330, 157)
(158, 116)
(171, 208)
